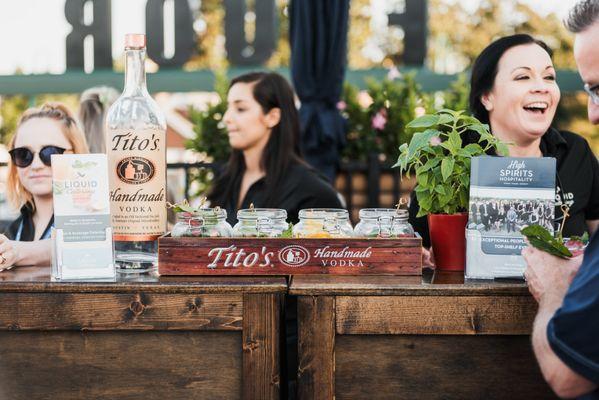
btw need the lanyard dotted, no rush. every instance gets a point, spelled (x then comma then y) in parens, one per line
(46, 234)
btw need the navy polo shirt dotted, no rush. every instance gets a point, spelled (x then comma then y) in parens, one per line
(573, 332)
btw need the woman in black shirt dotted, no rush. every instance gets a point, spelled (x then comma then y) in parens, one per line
(265, 168)
(513, 89)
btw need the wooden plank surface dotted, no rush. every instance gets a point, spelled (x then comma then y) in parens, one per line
(37, 279)
(282, 256)
(314, 285)
(120, 365)
(444, 315)
(437, 367)
(261, 352)
(117, 311)
(316, 347)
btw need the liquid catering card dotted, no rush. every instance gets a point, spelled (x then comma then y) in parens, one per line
(82, 236)
(506, 195)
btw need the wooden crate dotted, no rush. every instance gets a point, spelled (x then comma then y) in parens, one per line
(252, 256)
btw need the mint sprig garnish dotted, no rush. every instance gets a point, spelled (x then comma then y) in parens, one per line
(542, 239)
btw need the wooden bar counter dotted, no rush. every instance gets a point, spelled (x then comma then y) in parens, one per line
(429, 337)
(139, 338)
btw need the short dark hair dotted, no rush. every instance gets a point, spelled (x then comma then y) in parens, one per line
(484, 69)
(584, 14)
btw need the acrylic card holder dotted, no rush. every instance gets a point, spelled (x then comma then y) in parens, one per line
(82, 247)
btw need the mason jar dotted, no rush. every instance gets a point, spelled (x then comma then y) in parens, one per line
(206, 222)
(323, 223)
(260, 222)
(383, 223)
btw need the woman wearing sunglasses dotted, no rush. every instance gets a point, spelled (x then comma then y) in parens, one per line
(41, 132)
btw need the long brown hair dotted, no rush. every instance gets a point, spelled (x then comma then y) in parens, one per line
(282, 150)
(16, 193)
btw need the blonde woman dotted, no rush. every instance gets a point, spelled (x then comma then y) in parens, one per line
(41, 132)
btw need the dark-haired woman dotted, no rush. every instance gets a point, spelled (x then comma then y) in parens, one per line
(513, 89)
(265, 168)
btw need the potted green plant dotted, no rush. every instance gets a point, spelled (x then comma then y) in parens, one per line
(440, 158)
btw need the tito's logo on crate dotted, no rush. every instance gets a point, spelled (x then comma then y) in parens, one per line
(253, 256)
(294, 255)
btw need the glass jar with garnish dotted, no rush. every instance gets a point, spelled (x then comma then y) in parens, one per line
(261, 222)
(200, 222)
(323, 223)
(383, 223)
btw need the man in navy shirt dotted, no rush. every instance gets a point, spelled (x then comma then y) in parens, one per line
(566, 329)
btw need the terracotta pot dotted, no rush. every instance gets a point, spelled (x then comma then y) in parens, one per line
(448, 239)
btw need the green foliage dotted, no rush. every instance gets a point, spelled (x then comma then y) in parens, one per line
(438, 157)
(377, 118)
(456, 97)
(211, 135)
(10, 111)
(398, 101)
(361, 138)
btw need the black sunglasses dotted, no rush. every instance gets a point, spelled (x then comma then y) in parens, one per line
(22, 157)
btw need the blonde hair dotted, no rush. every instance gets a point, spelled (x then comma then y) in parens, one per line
(16, 192)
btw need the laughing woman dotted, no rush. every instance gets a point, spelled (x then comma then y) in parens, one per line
(41, 132)
(514, 90)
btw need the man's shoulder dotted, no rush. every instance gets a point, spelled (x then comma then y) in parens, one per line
(586, 280)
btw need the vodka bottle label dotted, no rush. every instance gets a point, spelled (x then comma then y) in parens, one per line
(137, 184)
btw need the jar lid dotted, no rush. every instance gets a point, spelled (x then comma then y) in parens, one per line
(323, 213)
(257, 213)
(391, 213)
(206, 213)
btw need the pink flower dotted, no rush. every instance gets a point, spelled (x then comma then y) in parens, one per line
(380, 120)
(419, 111)
(341, 105)
(435, 141)
(393, 73)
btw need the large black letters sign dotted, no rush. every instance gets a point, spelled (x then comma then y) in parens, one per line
(414, 24)
(99, 29)
(239, 51)
(184, 34)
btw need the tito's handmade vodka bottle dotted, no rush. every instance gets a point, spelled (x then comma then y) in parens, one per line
(136, 149)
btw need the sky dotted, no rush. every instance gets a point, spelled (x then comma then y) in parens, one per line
(33, 32)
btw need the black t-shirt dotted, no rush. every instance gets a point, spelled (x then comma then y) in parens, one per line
(577, 183)
(25, 223)
(302, 187)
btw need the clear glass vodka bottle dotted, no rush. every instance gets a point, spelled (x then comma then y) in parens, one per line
(136, 149)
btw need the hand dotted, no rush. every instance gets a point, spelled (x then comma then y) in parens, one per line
(549, 277)
(428, 259)
(8, 253)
